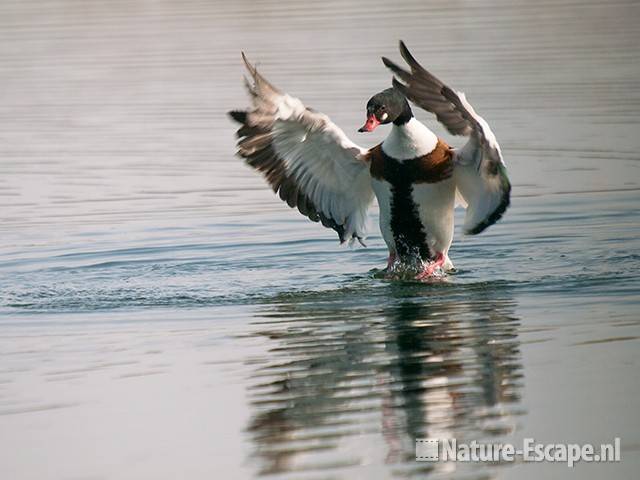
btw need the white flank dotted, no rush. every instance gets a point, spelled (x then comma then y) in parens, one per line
(382, 189)
(435, 202)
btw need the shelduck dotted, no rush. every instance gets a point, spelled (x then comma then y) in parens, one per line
(416, 177)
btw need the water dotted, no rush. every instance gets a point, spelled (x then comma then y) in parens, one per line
(164, 316)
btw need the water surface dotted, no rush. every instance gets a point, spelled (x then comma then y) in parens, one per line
(163, 315)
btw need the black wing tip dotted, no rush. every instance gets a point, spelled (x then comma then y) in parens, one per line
(388, 63)
(250, 68)
(245, 60)
(354, 237)
(406, 54)
(495, 216)
(239, 116)
(394, 67)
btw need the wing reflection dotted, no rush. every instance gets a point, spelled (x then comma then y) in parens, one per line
(354, 377)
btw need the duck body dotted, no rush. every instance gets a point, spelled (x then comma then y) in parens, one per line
(412, 178)
(416, 177)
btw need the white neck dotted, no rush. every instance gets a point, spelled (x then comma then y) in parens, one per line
(410, 140)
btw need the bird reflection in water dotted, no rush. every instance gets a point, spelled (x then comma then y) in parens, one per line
(354, 376)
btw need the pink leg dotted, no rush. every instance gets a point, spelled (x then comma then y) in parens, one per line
(429, 269)
(391, 259)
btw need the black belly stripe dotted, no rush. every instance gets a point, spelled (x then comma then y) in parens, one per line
(406, 226)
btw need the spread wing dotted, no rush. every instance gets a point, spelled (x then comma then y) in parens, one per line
(480, 172)
(306, 158)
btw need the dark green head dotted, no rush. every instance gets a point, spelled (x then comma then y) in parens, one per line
(387, 106)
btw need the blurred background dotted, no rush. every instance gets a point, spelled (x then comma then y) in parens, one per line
(164, 315)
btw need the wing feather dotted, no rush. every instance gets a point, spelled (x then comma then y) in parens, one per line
(306, 159)
(480, 171)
